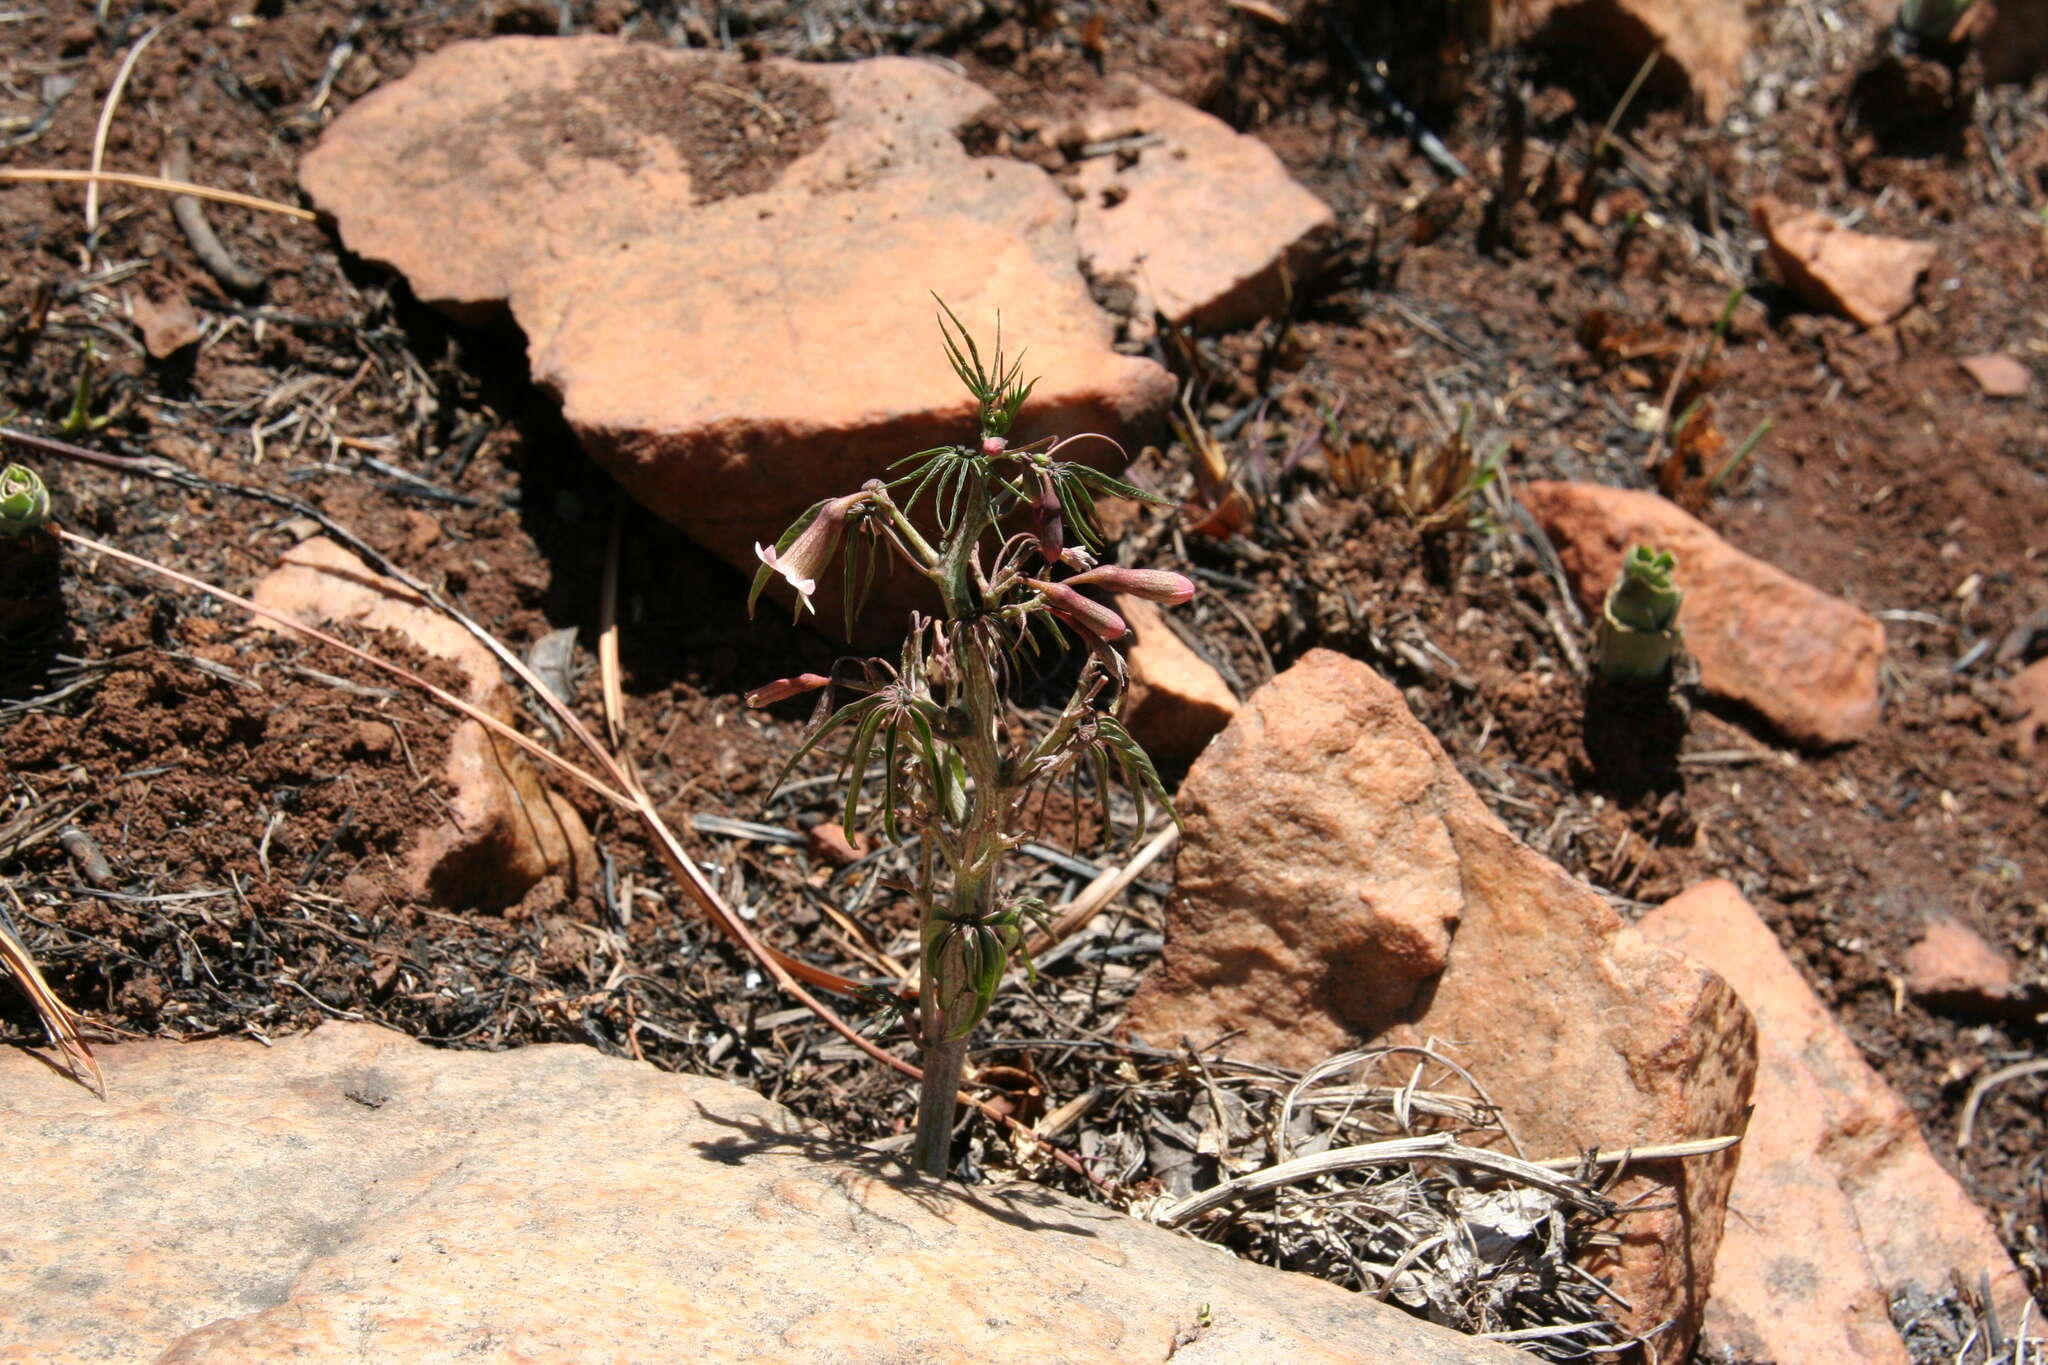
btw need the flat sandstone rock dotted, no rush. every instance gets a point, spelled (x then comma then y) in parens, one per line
(354, 1196)
(726, 269)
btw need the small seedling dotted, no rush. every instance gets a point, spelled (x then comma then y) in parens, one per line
(1639, 632)
(80, 420)
(24, 501)
(1433, 487)
(957, 768)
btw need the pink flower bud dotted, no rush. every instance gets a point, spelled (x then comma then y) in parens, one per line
(1154, 585)
(1048, 522)
(1083, 613)
(782, 689)
(993, 445)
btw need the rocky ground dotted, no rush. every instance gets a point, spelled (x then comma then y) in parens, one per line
(540, 341)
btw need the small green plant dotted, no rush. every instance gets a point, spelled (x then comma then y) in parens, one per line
(1639, 632)
(957, 766)
(1433, 487)
(80, 420)
(24, 501)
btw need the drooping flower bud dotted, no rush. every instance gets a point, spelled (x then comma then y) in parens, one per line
(1048, 521)
(782, 689)
(811, 552)
(1083, 613)
(1154, 585)
(993, 445)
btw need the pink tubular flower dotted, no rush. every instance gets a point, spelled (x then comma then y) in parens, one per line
(782, 689)
(1154, 585)
(811, 552)
(1083, 613)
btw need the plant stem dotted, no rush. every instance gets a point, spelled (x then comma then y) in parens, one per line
(937, 1095)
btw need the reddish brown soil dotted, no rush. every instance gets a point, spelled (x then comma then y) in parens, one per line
(1886, 477)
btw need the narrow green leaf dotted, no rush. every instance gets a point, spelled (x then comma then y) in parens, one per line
(1108, 484)
(857, 763)
(851, 711)
(1098, 766)
(1134, 754)
(1078, 510)
(890, 795)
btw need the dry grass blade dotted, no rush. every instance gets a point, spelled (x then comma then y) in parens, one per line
(106, 124)
(1356, 1171)
(156, 182)
(1984, 1086)
(1435, 1147)
(1070, 917)
(608, 638)
(60, 1023)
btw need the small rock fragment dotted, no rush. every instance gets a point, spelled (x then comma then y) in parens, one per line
(1177, 702)
(1340, 882)
(168, 323)
(2029, 691)
(1804, 660)
(1701, 42)
(2000, 376)
(828, 843)
(1952, 968)
(1203, 222)
(505, 830)
(1838, 1202)
(322, 584)
(1861, 275)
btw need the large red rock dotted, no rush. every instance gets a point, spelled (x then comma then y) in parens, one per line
(1340, 883)
(726, 269)
(504, 830)
(1701, 42)
(1838, 1202)
(1804, 660)
(352, 1197)
(1202, 222)
(1861, 275)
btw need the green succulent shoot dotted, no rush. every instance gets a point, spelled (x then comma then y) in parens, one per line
(24, 501)
(1639, 632)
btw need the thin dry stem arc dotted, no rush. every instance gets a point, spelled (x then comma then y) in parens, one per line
(157, 182)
